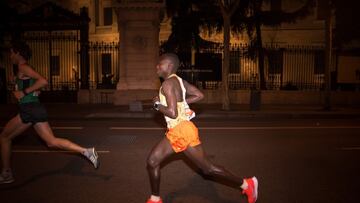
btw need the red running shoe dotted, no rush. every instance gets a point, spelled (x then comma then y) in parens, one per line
(252, 190)
(150, 201)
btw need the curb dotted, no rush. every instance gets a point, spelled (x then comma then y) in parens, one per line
(89, 112)
(234, 115)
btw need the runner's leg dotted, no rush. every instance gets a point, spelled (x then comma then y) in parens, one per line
(12, 129)
(45, 132)
(158, 154)
(197, 156)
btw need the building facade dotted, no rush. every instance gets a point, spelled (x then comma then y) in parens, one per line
(295, 52)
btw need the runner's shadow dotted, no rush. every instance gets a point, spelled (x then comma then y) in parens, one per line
(209, 194)
(72, 168)
(196, 188)
(196, 169)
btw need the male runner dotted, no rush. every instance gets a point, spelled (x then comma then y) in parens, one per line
(31, 113)
(182, 134)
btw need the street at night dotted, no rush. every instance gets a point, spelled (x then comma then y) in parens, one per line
(95, 95)
(296, 160)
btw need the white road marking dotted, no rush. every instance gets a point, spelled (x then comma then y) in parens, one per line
(136, 128)
(67, 128)
(279, 127)
(349, 148)
(216, 128)
(53, 151)
(245, 128)
(62, 127)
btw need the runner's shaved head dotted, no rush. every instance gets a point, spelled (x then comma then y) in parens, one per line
(173, 58)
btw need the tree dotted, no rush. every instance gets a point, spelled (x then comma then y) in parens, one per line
(8, 16)
(346, 30)
(227, 16)
(228, 8)
(240, 15)
(346, 27)
(187, 19)
(273, 18)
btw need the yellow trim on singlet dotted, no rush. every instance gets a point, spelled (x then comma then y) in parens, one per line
(171, 122)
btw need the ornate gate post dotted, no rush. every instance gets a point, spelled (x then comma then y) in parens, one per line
(139, 26)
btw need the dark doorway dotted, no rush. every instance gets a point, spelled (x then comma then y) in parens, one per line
(3, 92)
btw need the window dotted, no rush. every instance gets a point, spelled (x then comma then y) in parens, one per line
(209, 66)
(319, 62)
(275, 58)
(108, 17)
(106, 64)
(55, 65)
(234, 62)
(97, 13)
(321, 9)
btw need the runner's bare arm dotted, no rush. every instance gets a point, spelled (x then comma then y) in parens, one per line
(168, 90)
(40, 80)
(193, 94)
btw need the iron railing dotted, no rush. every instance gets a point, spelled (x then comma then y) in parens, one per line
(285, 67)
(56, 56)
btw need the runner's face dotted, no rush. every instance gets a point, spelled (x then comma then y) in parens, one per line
(162, 68)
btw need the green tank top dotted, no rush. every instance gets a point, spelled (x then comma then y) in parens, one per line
(23, 84)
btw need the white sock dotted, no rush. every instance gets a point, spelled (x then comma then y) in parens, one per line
(86, 153)
(245, 185)
(154, 198)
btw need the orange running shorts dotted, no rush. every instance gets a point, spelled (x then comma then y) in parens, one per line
(183, 135)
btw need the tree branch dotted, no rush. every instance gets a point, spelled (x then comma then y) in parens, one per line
(234, 6)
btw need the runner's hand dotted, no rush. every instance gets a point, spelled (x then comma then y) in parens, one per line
(18, 94)
(156, 99)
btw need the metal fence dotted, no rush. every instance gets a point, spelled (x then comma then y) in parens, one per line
(285, 68)
(56, 56)
(104, 65)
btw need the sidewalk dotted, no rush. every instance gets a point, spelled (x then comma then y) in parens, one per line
(109, 111)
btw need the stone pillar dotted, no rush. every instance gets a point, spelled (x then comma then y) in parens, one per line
(139, 26)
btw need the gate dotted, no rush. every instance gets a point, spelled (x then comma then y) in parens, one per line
(55, 55)
(59, 40)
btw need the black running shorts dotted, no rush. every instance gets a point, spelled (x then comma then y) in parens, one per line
(33, 112)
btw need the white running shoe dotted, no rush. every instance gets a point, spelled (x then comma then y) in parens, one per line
(92, 155)
(6, 177)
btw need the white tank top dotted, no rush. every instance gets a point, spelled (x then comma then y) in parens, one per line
(184, 112)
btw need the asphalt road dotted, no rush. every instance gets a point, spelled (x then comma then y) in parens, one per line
(295, 161)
